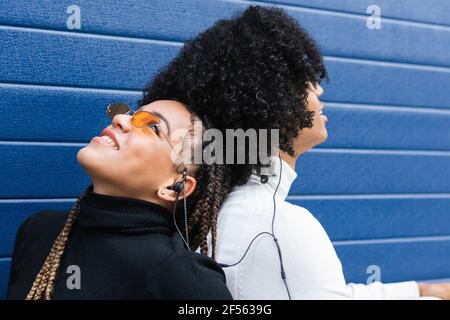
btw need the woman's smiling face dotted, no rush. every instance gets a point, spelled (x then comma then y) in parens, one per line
(140, 162)
(310, 137)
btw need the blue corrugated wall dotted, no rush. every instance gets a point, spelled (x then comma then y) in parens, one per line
(380, 185)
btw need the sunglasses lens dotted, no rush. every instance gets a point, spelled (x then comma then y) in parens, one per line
(117, 108)
(144, 119)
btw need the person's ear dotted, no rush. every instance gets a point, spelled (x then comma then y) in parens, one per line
(189, 187)
(166, 192)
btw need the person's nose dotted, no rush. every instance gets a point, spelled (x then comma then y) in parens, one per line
(315, 88)
(318, 90)
(122, 121)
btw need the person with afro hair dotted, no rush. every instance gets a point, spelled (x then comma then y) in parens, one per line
(260, 69)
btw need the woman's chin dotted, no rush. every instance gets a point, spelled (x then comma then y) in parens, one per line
(322, 137)
(88, 158)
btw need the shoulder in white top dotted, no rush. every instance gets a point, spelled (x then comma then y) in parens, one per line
(313, 270)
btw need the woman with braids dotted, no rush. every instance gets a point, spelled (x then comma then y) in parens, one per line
(261, 69)
(120, 240)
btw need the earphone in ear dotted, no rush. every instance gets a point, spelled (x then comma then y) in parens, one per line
(178, 186)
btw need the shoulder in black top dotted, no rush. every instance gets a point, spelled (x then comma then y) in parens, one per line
(124, 248)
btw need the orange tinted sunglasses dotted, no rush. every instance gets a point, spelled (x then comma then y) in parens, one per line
(139, 119)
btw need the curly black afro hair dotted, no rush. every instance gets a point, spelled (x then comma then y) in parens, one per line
(249, 71)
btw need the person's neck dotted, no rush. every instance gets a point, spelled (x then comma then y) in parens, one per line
(288, 159)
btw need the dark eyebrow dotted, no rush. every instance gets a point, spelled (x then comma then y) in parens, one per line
(159, 115)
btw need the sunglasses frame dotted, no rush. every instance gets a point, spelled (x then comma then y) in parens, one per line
(108, 112)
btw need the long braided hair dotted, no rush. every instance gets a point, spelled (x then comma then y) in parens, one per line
(45, 278)
(213, 184)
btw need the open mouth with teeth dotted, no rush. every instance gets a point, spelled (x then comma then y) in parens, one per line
(322, 116)
(110, 141)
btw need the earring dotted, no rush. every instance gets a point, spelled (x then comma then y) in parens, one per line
(163, 192)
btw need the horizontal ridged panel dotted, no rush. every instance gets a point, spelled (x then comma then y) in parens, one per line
(54, 171)
(397, 261)
(367, 171)
(401, 42)
(80, 61)
(386, 127)
(40, 113)
(379, 184)
(380, 216)
(357, 81)
(40, 171)
(83, 114)
(5, 264)
(430, 11)
(12, 214)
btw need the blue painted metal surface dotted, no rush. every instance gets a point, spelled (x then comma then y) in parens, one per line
(379, 185)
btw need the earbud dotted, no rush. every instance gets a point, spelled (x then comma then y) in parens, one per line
(178, 187)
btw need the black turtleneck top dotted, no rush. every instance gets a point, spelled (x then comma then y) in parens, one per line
(121, 248)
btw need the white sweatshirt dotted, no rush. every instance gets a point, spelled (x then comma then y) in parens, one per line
(313, 270)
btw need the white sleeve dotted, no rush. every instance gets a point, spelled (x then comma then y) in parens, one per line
(385, 291)
(314, 270)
